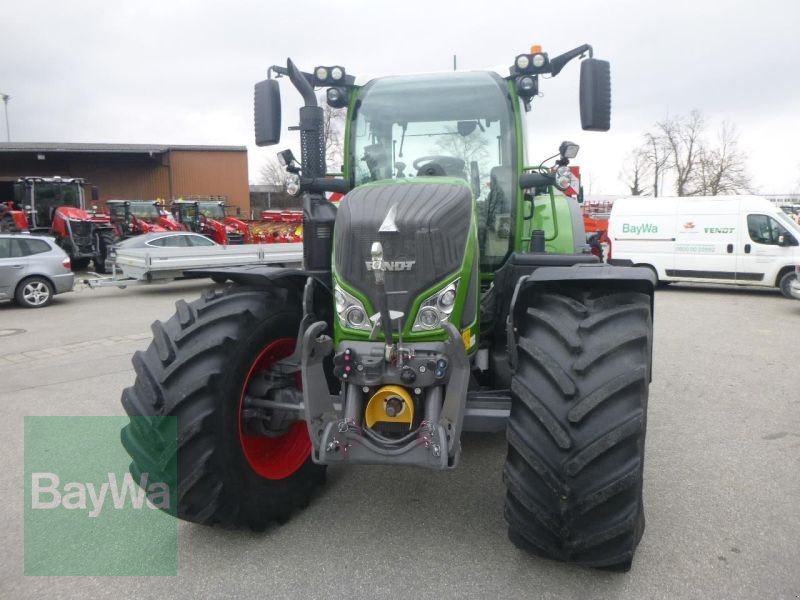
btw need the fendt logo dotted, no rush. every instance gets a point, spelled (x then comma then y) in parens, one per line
(719, 229)
(393, 265)
(639, 229)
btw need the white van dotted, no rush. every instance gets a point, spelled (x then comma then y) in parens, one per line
(744, 240)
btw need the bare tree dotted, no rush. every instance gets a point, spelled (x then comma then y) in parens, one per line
(722, 169)
(272, 173)
(682, 136)
(655, 156)
(469, 148)
(635, 170)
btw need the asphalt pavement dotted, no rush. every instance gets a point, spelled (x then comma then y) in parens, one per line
(722, 472)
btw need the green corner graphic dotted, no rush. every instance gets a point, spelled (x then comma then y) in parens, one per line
(85, 513)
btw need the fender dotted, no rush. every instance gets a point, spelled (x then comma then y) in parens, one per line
(633, 279)
(262, 275)
(294, 280)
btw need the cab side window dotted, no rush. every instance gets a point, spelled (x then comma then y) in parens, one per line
(5, 247)
(765, 230)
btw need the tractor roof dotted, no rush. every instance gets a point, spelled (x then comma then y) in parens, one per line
(54, 179)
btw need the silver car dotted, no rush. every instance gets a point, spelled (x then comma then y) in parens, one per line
(32, 270)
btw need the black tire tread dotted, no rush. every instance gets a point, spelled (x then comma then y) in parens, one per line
(186, 372)
(574, 470)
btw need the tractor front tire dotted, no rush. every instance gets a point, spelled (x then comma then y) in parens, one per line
(197, 369)
(576, 432)
(106, 240)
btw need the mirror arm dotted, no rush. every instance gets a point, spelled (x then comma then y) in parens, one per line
(560, 61)
(301, 83)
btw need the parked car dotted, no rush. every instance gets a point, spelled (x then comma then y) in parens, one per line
(33, 269)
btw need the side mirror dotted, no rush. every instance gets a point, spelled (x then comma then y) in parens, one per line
(95, 194)
(786, 240)
(267, 112)
(595, 95)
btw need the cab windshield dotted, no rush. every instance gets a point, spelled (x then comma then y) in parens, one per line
(212, 210)
(47, 196)
(454, 125)
(146, 211)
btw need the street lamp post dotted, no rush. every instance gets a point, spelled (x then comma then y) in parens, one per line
(5, 98)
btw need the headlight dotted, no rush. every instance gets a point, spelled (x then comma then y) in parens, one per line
(350, 310)
(337, 73)
(321, 73)
(292, 184)
(437, 309)
(538, 60)
(523, 62)
(563, 178)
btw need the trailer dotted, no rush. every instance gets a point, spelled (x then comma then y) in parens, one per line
(134, 266)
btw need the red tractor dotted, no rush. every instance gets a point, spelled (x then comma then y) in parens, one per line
(57, 206)
(135, 217)
(208, 218)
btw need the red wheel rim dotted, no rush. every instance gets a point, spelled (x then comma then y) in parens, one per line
(274, 458)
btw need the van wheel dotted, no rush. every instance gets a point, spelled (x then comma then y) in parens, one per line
(785, 283)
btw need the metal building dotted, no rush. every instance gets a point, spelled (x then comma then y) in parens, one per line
(134, 171)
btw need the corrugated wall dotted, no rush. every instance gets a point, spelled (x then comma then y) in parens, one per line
(211, 174)
(132, 179)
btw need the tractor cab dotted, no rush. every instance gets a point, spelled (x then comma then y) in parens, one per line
(39, 197)
(134, 217)
(461, 127)
(208, 218)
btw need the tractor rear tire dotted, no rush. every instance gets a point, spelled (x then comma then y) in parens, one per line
(196, 369)
(107, 239)
(576, 432)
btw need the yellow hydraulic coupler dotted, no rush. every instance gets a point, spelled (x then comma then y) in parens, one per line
(390, 404)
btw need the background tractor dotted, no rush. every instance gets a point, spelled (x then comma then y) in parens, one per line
(451, 290)
(57, 206)
(135, 217)
(208, 218)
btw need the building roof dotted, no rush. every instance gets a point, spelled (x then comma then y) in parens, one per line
(111, 148)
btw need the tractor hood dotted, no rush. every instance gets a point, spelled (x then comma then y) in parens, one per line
(424, 226)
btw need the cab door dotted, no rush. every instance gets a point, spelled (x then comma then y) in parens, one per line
(767, 246)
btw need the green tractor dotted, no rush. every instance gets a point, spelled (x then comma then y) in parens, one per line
(452, 290)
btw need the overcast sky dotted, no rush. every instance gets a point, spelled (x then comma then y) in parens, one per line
(182, 72)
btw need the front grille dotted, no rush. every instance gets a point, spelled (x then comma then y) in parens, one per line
(431, 224)
(82, 235)
(235, 239)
